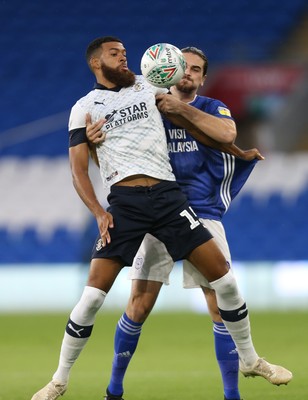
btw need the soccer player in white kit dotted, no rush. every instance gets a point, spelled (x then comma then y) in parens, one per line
(144, 198)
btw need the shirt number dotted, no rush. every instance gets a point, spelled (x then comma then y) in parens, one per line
(191, 218)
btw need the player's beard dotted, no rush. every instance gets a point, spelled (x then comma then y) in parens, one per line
(119, 78)
(186, 86)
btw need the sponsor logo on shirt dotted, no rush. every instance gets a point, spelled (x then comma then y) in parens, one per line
(180, 147)
(128, 114)
(178, 144)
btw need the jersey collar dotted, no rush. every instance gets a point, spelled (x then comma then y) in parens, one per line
(194, 99)
(102, 87)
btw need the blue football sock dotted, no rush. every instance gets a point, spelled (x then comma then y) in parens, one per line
(125, 343)
(227, 358)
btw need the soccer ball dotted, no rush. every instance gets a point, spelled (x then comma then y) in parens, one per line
(163, 65)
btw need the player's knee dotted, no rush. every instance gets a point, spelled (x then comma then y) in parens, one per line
(138, 308)
(93, 298)
(228, 288)
(227, 292)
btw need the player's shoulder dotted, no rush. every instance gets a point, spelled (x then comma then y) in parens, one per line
(211, 106)
(140, 79)
(208, 101)
(79, 110)
(141, 82)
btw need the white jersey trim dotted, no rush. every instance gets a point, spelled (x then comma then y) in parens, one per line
(229, 168)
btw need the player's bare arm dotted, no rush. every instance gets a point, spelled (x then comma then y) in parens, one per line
(79, 163)
(220, 129)
(201, 137)
(185, 122)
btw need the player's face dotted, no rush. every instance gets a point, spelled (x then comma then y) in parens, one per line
(113, 55)
(113, 64)
(193, 77)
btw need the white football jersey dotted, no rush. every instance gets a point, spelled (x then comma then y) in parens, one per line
(135, 136)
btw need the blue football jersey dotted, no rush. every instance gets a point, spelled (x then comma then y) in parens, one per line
(210, 179)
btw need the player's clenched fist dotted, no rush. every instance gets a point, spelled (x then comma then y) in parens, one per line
(168, 104)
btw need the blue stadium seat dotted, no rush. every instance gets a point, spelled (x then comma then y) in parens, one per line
(54, 38)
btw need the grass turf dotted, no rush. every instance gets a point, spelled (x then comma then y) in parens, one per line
(175, 357)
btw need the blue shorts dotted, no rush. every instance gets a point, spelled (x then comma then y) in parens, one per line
(161, 210)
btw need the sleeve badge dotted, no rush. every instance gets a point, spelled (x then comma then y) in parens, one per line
(224, 111)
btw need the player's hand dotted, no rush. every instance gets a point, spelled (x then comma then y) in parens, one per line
(94, 131)
(105, 222)
(252, 154)
(168, 104)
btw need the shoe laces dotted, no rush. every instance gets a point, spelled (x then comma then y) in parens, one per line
(52, 388)
(266, 367)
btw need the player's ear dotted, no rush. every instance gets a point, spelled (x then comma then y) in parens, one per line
(203, 80)
(94, 63)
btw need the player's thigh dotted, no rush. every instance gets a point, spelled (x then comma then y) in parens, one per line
(217, 230)
(192, 278)
(152, 261)
(103, 272)
(209, 260)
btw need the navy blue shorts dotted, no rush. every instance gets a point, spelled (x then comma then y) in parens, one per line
(161, 210)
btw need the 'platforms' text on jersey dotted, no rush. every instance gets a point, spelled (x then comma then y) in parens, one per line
(127, 114)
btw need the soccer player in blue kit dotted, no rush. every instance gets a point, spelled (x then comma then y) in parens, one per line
(144, 198)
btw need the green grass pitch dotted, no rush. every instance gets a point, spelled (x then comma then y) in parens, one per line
(174, 360)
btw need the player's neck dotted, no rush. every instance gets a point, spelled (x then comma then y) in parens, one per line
(185, 97)
(106, 83)
(100, 79)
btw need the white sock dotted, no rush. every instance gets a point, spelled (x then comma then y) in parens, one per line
(83, 316)
(232, 306)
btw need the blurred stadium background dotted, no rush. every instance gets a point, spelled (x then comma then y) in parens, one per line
(258, 54)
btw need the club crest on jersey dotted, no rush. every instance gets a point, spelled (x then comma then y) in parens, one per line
(224, 111)
(138, 87)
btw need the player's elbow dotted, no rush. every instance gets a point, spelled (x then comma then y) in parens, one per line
(229, 134)
(229, 138)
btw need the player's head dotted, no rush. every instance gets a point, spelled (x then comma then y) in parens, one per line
(95, 47)
(195, 72)
(106, 57)
(200, 53)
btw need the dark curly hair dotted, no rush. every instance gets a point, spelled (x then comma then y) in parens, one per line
(96, 44)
